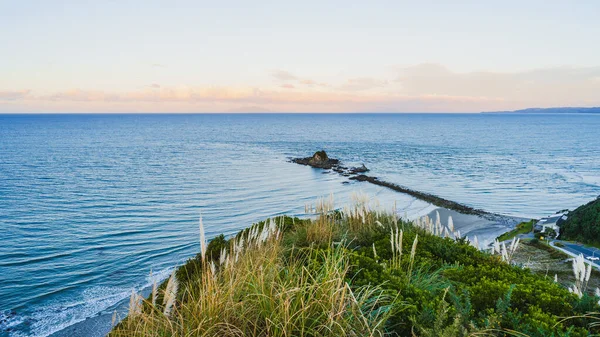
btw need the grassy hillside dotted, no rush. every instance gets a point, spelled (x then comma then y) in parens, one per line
(583, 224)
(359, 272)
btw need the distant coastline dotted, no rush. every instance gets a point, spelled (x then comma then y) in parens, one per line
(558, 110)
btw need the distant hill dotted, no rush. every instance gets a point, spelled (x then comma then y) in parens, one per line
(583, 224)
(571, 110)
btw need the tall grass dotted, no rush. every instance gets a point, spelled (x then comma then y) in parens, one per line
(260, 287)
(582, 272)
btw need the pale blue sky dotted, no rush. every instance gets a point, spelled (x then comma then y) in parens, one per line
(219, 56)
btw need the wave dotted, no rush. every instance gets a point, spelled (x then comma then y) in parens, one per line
(48, 319)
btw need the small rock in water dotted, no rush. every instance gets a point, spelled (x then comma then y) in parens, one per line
(318, 160)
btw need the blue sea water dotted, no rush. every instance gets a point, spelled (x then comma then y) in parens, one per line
(90, 204)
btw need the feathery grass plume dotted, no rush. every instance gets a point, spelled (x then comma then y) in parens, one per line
(476, 242)
(203, 242)
(374, 252)
(588, 273)
(575, 290)
(413, 252)
(555, 278)
(135, 304)
(170, 294)
(504, 252)
(496, 247)
(582, 272)
(114, 318)
(438, 224)
(450, 223)
(154, 293)
(213, 269)
(392, 240)
(222, 256)
(396, 245)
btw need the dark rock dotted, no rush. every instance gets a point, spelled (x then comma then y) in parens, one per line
(318, 160)
(360, 169)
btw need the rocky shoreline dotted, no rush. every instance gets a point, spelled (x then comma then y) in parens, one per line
(322, 161)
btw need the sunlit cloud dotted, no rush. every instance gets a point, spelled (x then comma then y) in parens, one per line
(363, 83)
(421, 88)
(14, 95)
(308, 82)
(540, 87)
(283, 75)
(215, 99)
(286, 76)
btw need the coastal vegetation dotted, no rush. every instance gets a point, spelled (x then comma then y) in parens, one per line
(583, 224)
(360, 271)
(522, 228)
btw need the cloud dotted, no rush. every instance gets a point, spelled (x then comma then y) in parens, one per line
(286, 76)
(549, 86)
(283, 75)
(420, 88)
(363, 83)
(158, 65)
(214, 99)
(311, 83)
(14, 95)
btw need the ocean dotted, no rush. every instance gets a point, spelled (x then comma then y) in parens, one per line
(90, 204)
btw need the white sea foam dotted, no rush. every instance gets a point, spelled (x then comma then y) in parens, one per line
(56, 316)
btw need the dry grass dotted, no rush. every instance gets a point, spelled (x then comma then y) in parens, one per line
(264, 289)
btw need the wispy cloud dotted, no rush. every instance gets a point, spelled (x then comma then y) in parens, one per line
(14, 95)
(288, 78)
(363, 83)
(283, 75)
(308, 82)
(287, 86)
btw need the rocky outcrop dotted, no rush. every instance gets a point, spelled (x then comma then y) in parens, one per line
(322, 161)
(318, 160)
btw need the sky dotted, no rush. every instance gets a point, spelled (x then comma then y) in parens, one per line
(300, 56)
